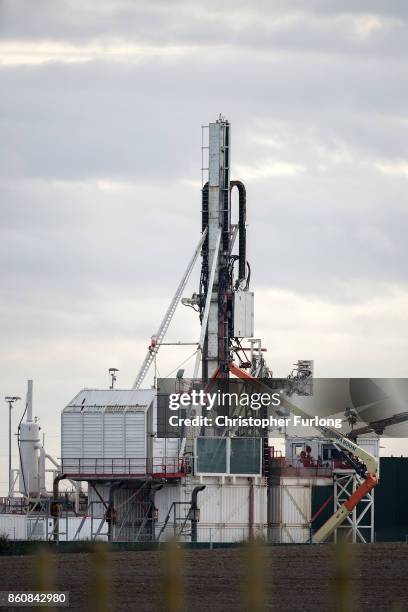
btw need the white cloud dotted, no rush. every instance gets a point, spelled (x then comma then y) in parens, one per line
(345, 340)
(37, 53)
(393, 167)
(367, 25)
(269, 169)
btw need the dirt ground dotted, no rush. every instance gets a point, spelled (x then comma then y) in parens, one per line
(297, 578)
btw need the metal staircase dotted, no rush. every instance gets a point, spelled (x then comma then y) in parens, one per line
(180, 519)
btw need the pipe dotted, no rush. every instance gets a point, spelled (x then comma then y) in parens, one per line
(29, 401)
(41, 468)
(152, 513)
(76, 502)
(195, 512)
(251, 502)
(73, 482)
(241, 227)
(55, 510)
(111, 512)
(57, 465)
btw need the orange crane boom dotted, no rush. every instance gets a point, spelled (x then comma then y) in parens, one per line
(338, 440)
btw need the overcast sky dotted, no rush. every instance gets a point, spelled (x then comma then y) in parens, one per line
(102, 103)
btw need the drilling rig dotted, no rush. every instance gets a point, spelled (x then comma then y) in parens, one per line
(224, 276)
(225, 306)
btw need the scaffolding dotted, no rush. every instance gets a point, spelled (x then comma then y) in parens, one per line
(359, 524)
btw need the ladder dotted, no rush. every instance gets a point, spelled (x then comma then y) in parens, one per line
(161, 332)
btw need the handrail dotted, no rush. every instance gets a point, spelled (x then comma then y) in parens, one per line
(132, 466)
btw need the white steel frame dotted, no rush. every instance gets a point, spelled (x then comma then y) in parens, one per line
(345, 484)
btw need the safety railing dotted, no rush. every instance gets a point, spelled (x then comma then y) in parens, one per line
(280, 467)
(99, 467)
(13, 505)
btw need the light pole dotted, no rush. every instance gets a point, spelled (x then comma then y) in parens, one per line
(112, 373)
(10, 399)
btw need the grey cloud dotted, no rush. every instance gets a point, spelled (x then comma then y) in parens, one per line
(290, 26)
(91, 120)
(100, 182)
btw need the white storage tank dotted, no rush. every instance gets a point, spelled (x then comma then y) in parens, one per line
(31, 452)
(29, 479)
(107, 433)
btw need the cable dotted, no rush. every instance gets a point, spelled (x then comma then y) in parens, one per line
(195, 308)
(19, 449)
(182, 363)
(248, 275)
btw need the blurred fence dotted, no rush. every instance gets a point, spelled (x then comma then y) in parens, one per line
(258, 571)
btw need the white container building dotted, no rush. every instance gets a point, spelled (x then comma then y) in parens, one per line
(110, 432)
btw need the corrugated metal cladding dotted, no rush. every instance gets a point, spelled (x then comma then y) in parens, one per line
(24, 527)
(95, 506)
(370, 444)
(123, 499)
(13, 526)
(112, 397)
(224, 510)
(288, 534)
(68, 529)
(289, 513)
(131, 505)
(106, 424)
(168, 448)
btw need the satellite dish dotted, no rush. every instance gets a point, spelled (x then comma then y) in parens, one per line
(371, 399)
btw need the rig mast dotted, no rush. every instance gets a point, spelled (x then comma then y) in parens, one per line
(230, 313)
